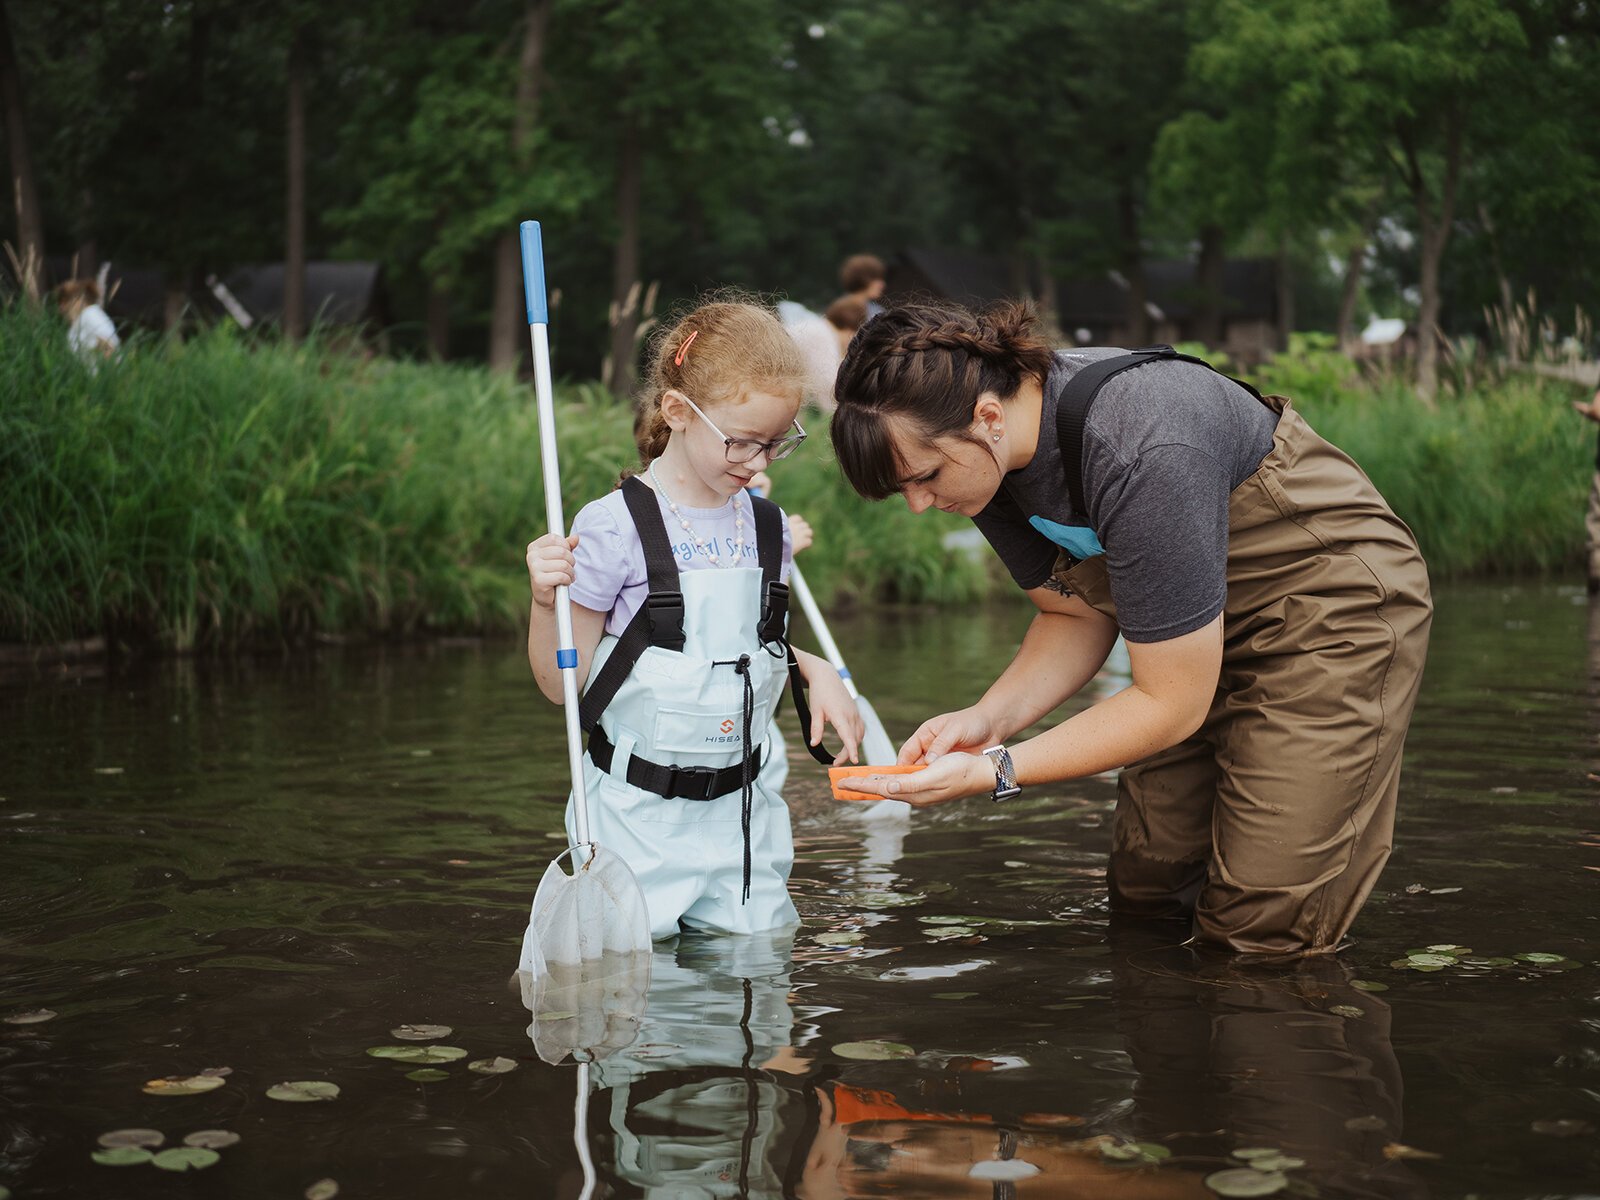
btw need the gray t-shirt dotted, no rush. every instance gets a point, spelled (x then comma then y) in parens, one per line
(1164, 446)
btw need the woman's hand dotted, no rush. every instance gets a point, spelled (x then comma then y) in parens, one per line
(968, 729)
(952, 777)
(831, 704)
(550, 566)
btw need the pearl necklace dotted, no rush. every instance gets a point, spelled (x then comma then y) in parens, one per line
(711, 555)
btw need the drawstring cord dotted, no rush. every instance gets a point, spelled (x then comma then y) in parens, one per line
(746, 791)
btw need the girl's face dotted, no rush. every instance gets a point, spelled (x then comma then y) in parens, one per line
(760, 417)
(949, 472)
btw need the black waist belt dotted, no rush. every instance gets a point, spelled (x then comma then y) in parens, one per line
(675, 783)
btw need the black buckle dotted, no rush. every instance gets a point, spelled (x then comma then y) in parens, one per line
(774, 609)
(692, 783)
(665, 611)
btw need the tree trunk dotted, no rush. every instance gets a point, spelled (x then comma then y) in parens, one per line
(294, 256)
(1285, 291)
(1434, 228)
(24, 184)
(1354, 268)
(507, 316)
(1132, 256)
(438, 309)
(1208, 281)
(174, 300)
(625, 282)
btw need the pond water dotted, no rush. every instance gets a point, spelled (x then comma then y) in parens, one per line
(268, 865)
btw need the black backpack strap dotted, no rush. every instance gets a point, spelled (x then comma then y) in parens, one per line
(1072, 411)
(769, 552)
(659, 621)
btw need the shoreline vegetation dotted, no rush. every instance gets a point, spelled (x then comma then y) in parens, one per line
(227, 491)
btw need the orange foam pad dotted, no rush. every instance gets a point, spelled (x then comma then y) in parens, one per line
(837, 774)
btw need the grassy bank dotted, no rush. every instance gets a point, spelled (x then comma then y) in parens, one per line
(217, 492)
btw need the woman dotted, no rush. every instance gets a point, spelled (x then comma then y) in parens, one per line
(1276, 612)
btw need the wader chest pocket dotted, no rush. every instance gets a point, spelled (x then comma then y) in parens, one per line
(704, 731)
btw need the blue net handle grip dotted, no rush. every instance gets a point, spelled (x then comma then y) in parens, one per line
(567, 660)
(533, 273)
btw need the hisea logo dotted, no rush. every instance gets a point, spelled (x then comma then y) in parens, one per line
(726, 736)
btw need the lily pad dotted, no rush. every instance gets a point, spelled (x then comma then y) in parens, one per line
(1348, 1010)
(108, 770)
(424, 1054)
(322, 1189)
(183, 1085)
(1149, 1153)
(132, 1137)
(1242, 1181)
(1539, 958)
(303, 1091)
(1251, 1153)
(945, 920)
(954, 995)
(420, 1033)
(212, 1139)
(889, 899)
(428, 1075)
(947, 933)
(1369, 985)
(1450, 948)
(492, 1066)
(186, 1158)
(122, 1156)
(31, 1018)
(873, 1051)
(1429, 958)
(1567, 1127)
(840, 938)
(1367, 1124)
(1276, 1162)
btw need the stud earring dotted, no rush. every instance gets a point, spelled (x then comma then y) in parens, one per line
(997, 437)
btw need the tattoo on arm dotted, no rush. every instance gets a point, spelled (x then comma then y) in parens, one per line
(1055, 585)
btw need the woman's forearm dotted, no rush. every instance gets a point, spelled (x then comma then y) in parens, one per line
(1059, 654)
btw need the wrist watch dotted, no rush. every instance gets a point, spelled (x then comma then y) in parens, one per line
(1005, 775)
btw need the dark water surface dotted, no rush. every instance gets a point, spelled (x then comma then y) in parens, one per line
(268, 865)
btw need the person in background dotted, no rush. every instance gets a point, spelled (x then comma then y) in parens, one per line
(846, 315)
(1590, 409)
(863, 276)
(91, 334)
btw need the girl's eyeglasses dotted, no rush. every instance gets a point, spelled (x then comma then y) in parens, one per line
(743, 450)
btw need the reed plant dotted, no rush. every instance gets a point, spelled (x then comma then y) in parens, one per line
(222, 491)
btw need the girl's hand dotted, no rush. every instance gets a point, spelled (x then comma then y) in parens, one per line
(800, 535)
(967, 729)
(952, 777)
(831, 704)
(550, 565)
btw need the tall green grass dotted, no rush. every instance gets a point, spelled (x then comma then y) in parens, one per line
(218, 491)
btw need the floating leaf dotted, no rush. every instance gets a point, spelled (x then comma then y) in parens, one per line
(873, 1051)
(1000, 1170)
(1276, 1162)
(302, 1091)
(946, 933)
(1450, 948)
(183, 1085)
(108, 770)
(186, 1158)
(1251, 1153)
(1431, 959)
(425, 1054)
(1143, 1152)
(492, 1066)
(1565, 1127)
(889, 899)
(839, 939)
(1348, 1010)
(949, 921)
(1369, 985)
(1366, 1124)
(1242, 1181)
(1396, 1150)
(132, 1137)
(322, 1189)
(1539, 958)
(427, 1075)
(122, 1156)
(420, 1033)
(422, 754)
(212, 1139)
(954, 995)
(31, 1018)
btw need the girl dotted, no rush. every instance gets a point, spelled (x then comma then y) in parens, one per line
(1276, 612)
(679, 619)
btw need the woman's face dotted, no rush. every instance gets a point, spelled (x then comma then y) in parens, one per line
(950, 473)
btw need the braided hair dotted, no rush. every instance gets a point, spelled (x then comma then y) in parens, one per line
(925, 367)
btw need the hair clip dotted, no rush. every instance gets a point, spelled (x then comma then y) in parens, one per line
(677, 359)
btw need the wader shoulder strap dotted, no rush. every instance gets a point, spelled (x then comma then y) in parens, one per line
(659, 621)
(1072, 411)
(773, 629)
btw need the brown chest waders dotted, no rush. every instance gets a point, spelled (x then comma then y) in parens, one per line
(1271, 824)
